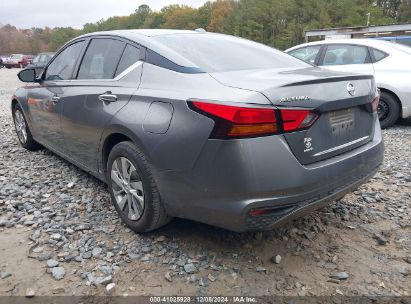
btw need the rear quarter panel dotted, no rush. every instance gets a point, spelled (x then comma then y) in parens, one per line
(178, 148)
(394, 75)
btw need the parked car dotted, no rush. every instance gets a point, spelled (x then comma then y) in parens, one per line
(178, 124)
(40, 61)
(390, 64)
(3, 60)
(18, 61)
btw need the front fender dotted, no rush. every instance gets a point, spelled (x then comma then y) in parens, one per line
(20, 96)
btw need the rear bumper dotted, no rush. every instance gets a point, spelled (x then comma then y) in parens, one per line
(231, 178)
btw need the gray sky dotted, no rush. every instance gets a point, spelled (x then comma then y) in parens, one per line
(52, 13)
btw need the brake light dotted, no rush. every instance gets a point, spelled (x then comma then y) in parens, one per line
(241, 122)
(238, 115)
(237, 122)
(294, 120)
(375, 102)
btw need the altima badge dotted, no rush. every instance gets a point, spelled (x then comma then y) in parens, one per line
(295, 98)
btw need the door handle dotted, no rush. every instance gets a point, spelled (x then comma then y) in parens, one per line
(55, 99)
(108, 97)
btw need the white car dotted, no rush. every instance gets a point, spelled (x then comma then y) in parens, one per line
(390, 63)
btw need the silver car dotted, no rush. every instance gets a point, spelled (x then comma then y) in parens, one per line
(390, 63)
(202, 126)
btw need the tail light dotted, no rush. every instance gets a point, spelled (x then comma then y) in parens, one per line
(295, 120)
(375, 102)
(241, 122)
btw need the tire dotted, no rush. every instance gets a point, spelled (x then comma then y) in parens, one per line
(388, 110)
(146, 212)
(23, 131)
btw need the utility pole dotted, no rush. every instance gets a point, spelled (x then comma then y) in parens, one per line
(368, 18)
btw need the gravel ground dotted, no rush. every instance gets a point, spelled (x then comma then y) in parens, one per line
(60, 235)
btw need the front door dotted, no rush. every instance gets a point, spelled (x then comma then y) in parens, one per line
(45, 99)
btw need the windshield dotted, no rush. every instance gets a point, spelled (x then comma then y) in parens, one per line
(398, 46)
(218, 53)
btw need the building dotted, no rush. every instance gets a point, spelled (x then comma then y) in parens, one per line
(359, 32)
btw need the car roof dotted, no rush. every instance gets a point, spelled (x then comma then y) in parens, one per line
(148, 32)
(144, 37)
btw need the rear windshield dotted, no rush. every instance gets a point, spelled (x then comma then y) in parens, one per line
(218, 53)
(397, 46)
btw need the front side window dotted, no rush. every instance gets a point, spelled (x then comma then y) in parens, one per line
(307, 54)
(101, 59)
(62, 66)
(345, 54)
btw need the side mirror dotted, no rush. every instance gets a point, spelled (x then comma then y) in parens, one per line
(27, 75)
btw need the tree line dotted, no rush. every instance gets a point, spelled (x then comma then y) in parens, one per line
(278, 23)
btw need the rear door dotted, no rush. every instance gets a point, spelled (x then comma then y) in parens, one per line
(107, 76)
(347, 58)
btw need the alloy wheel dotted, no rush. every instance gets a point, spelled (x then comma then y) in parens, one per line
(127, 188)
(21, 127)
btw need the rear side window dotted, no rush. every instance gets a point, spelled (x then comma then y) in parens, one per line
(101, 59)
(345, 54)
(130, 56)
(62, 66)
(378, 55)
(308, 54)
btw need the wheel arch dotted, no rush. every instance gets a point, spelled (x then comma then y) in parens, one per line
(113, 136)
(394, 95)
(14, 103)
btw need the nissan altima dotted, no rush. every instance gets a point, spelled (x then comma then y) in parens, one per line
(202, 126)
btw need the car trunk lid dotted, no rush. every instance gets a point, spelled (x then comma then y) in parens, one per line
(342, 101)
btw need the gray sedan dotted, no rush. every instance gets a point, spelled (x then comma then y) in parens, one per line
(202, 126)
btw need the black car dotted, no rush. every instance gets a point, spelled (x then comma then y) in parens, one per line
(40, 61)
